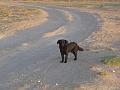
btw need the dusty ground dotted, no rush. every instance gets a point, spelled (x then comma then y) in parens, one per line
(110, 31)
(30, 59)
(108, 77)
(14, 17)
(105, 38)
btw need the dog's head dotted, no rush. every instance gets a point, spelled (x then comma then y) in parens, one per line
(62, 42)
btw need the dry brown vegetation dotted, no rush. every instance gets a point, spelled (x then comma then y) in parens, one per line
(108, 79)
(110, 31)
(69, 0)
(59, 31)
(14, 18)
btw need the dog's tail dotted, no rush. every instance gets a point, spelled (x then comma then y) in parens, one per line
(80, 49)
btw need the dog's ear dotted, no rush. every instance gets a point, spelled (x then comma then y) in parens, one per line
(58, 41)
(66, 42)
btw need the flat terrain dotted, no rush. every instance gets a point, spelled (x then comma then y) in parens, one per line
(30, 59)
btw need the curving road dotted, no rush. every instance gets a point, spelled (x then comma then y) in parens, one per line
(29, 60)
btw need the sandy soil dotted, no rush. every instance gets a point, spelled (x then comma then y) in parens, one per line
(16, 17)
(108, 77)
(110, 31)
(68, 16)
(59, 31)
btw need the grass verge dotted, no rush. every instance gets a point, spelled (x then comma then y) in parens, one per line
(112, 61)
(81, 4)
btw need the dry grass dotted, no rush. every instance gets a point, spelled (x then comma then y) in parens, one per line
(80, 4)
(110, 30)
(14, 18)
(113, 61)
(108, 80)
(108, 76)
(59, 31)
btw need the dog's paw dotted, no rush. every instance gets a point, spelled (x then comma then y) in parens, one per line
(75, 59)
(61, 61)
(65, 62)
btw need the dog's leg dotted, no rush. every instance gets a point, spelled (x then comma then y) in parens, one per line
(62, 55)
(66, 57)
(75, 54)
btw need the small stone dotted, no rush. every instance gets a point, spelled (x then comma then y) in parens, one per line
(38, 81)
(25, 44)
(113, 71)
(56, 84)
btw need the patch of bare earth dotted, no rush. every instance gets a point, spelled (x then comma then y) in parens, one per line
(109, 33)
(59, 31)
(68, 15)
(108, 76)
(108, 79)
(15, 17)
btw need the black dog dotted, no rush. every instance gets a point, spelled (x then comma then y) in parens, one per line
(66, 47)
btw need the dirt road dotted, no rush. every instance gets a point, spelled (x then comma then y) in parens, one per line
(30, 59)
